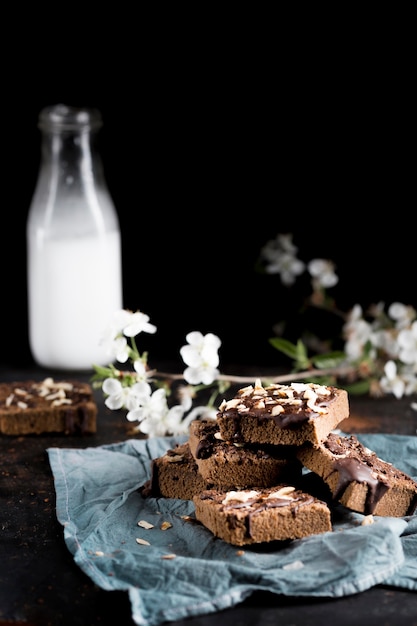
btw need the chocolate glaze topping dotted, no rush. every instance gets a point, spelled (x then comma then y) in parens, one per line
(354, 462)
(351, 469)
(208, 441)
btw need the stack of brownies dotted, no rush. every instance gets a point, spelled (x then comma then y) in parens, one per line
(244, 469)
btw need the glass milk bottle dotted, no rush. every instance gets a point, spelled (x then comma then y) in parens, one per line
(73, 244)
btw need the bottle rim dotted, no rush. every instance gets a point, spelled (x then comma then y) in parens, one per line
(65, 117)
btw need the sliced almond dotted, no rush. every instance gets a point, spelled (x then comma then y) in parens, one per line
(142, 542)
(144, 524)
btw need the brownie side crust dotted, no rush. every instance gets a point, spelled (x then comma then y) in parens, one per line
(359, 479)
(282, 414)
(251, 516)
(49, 406)
(174, 475)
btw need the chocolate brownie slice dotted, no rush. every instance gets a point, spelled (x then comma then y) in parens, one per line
(49, 406)
(252, 516)
(234, 465)
(174, 475)
(282, 414)
(359, 479)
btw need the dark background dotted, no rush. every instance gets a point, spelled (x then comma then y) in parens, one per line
(207, 158)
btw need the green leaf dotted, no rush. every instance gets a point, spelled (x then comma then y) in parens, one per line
(329, 360)
(322, 380)
(358, 388)
(285, 346)
(302, 360)
(102, 372)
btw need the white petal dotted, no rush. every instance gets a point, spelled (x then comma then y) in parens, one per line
(114, 402)
(190, 355)
(192, 375)
(195, 338)
(112, 386)
(390, 369)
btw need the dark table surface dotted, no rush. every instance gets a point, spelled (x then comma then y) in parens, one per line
(41, 585)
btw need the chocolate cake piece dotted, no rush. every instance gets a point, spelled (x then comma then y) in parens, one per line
(359, 479)
(234, 465)
(253, 516)
(282, 414)
(174, 475)
(65, 407)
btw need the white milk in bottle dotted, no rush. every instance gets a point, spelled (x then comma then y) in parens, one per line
(73, 245)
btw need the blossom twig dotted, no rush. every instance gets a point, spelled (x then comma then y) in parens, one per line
(379, 354)
(280, 378)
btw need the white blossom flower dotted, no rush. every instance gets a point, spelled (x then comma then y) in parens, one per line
(385, 339)
(150, 405)
(201, 356)
(401, 314)
(155, 418)
(140, 368)
(136, 323)
(174, 423)
(409, 375)
(391, 381)
(134, 393)
(323, 273)
(281, 257)
(169, 423)
(285, 243)
(126, 323)
(112, 337)
(118, 321)
(282, 243)
(119, 349)
(120, 396)
(357, 332)
(407, 341)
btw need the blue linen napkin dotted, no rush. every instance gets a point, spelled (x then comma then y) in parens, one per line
(99, 506)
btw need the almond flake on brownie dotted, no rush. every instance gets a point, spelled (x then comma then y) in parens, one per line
(253, 516)
(49, 406)
(282, 414)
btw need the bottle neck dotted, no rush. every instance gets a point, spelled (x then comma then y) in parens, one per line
(71, 193)
(73, 155)
(70, 143)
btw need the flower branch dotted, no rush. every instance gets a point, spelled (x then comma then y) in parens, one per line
(338, 372)
(379, 354)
